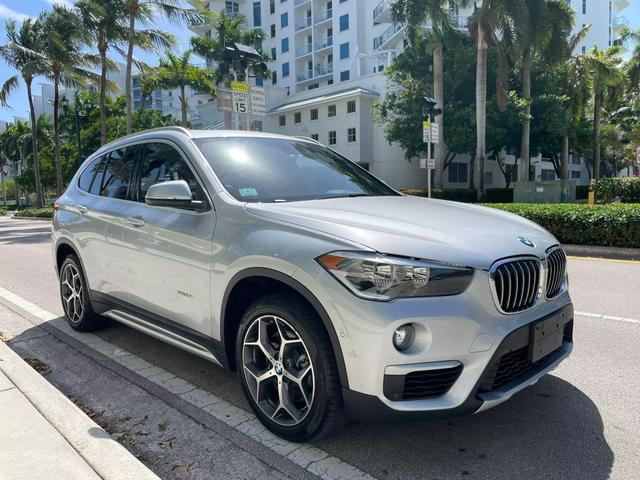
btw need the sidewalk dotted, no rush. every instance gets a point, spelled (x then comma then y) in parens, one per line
(44, 435)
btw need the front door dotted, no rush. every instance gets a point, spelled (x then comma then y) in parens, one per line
(169, 250)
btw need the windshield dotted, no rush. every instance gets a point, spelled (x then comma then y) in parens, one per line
(257, 169)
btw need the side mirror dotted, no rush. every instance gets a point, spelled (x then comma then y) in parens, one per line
(175, 193)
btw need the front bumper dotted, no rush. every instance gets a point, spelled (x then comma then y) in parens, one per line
(483, 395)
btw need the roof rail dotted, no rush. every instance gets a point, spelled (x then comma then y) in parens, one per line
(302, 137)
(170, 128)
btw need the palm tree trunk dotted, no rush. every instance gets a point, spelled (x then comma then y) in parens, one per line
(183, 105)
(596, 133)
(34, 143)
(128, 81)
(103, 95)
(4, 190)
(525, 159)
(438, 93)
(481, 108)
(564, 160)
(56, 131)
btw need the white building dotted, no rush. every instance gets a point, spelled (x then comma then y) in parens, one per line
(330, 54)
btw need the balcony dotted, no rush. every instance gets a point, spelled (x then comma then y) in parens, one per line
(389, 34)
(306, 50)
(303, 24)
(459, 21)
(317, 72)
(300, 2)
(324, 16)
(382, 13)
(618, 23)
(326, 43)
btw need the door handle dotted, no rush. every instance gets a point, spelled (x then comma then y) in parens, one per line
(82, 208)
(135, 221)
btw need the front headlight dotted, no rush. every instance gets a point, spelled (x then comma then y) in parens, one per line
(380, 277)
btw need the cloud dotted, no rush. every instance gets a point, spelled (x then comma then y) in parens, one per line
(6, 12)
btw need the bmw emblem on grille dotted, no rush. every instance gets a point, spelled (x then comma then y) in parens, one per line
(526, 241)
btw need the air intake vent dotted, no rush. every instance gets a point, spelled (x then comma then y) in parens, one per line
(515, 284)
(430, 383)
(556, 268)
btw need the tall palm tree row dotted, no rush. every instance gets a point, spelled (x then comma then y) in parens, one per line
(178, 72)
(18, 53)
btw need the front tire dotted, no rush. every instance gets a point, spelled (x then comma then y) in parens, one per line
(74, 294)
(287, 369)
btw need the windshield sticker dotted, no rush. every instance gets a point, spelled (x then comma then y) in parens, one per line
(248, 192)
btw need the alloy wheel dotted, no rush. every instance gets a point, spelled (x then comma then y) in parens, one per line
(72, 293)
(278, 370)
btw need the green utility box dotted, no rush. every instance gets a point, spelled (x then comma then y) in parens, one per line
(557, 191)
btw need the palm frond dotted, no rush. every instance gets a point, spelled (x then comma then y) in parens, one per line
(10, 85)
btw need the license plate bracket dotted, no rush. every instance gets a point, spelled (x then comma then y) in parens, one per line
(546, 336)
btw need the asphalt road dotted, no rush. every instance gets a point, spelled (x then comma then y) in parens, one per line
(582, 421)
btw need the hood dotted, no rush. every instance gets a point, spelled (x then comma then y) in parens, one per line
(416, 227)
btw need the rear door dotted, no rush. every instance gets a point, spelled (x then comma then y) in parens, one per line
(169, 250)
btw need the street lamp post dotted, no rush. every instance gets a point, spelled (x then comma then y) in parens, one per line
(65, 106)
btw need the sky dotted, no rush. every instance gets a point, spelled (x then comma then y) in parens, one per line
(21, 9)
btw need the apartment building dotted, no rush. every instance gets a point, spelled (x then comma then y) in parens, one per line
(328, 58)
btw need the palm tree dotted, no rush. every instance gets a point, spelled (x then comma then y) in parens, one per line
(18, 53)
(104, 21)
(436, 12)
(633, 65)
(178, 72)
(62, 60)
(147, 11)
(606, 77)
(226, 31)
(543, 27)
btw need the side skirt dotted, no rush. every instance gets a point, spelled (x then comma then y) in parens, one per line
(159, 327)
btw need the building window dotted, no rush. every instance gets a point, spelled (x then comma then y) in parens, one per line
(297, 117)
(458, 173)
(272, 7)
(284, 20)
(273, 30)
(273, 53)
(285, 45)
(315, 136)
(257, 14)
(344, 76)
(576, 160)
(575, 174)
(285, 69)
(331, 111)
(547, 174)
(232, 8)
(351, 135)
(282, 120)
(351, 106)
(344, 51)
(332, 137)
(344, 22)
(313, 86)
(584, 7)
(314, 114)
(274, 77)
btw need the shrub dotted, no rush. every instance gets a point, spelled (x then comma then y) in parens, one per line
(454, 194)
(499, 195)
(46, 212)
(2, 212)
(628, 189)
(614, 225)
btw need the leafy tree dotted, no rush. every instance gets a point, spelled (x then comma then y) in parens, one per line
(633, 65)
(178, 72)
(18, 53)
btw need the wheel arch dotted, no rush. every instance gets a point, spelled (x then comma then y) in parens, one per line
(278, 282)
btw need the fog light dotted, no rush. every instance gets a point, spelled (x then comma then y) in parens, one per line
(403, 337)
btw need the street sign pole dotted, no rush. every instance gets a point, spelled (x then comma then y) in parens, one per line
(248, 101)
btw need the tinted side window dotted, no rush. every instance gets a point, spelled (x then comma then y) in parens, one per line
(88, 175)
(117, 175)
(159, 163)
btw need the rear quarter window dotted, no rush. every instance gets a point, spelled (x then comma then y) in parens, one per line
(91, 177)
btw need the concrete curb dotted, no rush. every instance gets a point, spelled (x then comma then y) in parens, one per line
(109, 459)
(594, 251)
(31, 218)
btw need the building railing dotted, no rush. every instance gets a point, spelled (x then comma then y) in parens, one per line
(324, 69)
(620, 21)
(318, 71)
(322, 16)
(301, 25)
(308, 48)
(308, 75)
(380, 9)
(326, 43)
(389, 33)
(300, 2)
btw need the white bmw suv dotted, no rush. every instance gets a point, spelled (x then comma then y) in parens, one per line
(329, 292)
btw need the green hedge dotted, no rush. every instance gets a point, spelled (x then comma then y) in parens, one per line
(454, 194)
(628, 189)
(46, 212)
(614, 225)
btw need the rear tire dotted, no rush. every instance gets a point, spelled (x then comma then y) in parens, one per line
(288, 370)
(75, 297)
